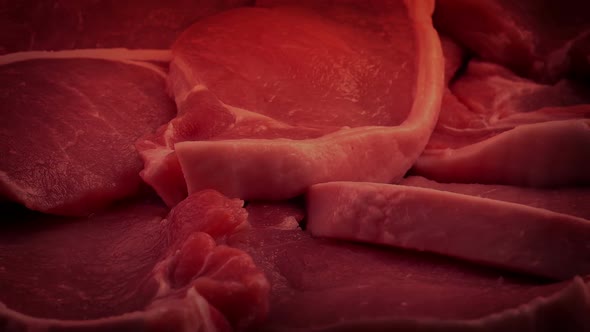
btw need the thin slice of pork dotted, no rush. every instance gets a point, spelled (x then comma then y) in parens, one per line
(497, 233)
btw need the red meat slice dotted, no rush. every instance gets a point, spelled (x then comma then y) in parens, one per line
(129, 269)
(495, 125)
(322, 285)
(274, 100)
(493, 232)
(69, 123)
(62, 24)
(539, 39)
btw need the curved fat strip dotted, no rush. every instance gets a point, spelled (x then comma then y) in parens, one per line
(281, 168)
(496, 233)
(558, 153)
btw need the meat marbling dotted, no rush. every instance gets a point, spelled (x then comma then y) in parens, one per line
(81, 115)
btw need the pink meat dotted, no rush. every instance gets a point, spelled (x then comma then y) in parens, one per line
(131, 269)
(259, 120)
(492, 232)
(321, 285)
(81, 118)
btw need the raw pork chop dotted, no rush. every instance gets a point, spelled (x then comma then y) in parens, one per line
(64, 24)
(273, 100)
(320, 285)
(495, 125)
(69, 125)
(503, 234)
(129, 269)
(542, 39)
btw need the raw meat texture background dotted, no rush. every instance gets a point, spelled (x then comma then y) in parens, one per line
(511, 140)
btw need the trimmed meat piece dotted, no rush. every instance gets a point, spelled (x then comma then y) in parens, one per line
(492, 232)
(272, 101)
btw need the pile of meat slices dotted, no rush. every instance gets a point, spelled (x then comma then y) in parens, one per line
(286, 165)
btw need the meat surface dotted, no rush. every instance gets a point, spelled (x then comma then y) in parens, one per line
(29, 25)
(251, 103)
(321, 285)
(130, 269)
(272, 133)
(571, 201)
(543, 39)
(81, 117)
(492, 232)
(494, 125)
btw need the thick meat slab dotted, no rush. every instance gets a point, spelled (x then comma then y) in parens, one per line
(321, 285)
(130, 269)
(498, 128)
(493, 232)
(69, 126)
(273, 100)
(540, 39)
(63, 24)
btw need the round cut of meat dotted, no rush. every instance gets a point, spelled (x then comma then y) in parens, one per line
(273, 100)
